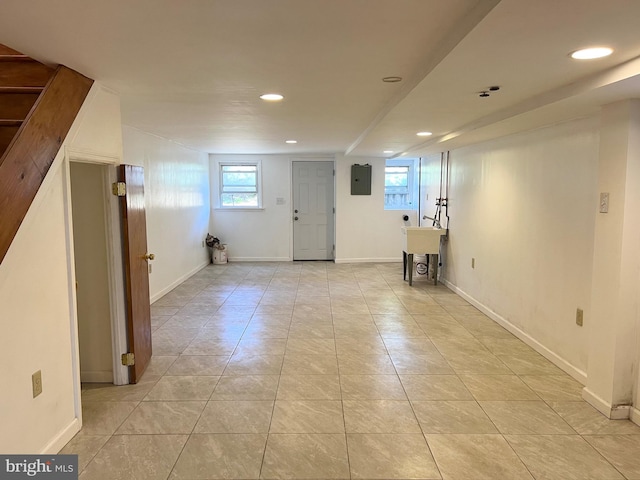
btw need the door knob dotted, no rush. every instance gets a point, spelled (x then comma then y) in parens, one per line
(149, 256)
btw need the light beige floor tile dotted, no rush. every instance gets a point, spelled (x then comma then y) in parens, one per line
(532, 364)
(158, 365)
(525, 418)
(144, 457)
(309, 387)
(254, 365)
(621, 451)
(561, 457)
(261, 329)
(452, 417)
(188, 320)
(311, 346)
(85, 446)
(434, 387)
(379, 416)
(273, 304)
(307, 416)
(372, 387)
(586, 420)
(388, 330)
(306, 456)
(480, 363)
(162, 418)
(360, 346)
(310, 365)
(311, 330)
(106, 392)
(182, 388)
(198, 365)
(104, 418)
(477, 457)
(210, 346)
(431, 363)
(554, 388)
(498, 387)
(366, 365)
(261, 346)
(235, 416)
(390, 456)
(213, 456)
(356, 330)
(506, 346)
(415, 346)
(246, 387)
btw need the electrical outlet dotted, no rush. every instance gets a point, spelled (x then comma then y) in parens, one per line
(579, 317)
(473, 263)
(36, 383)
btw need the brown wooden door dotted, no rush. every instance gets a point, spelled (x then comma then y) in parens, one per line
(134, 232)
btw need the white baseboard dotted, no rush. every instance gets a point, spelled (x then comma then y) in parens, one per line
(368, 260)
(62, 438)
(259, 259)
(619, 412)
(553, 357)
(178, 281)
(634, 415)
(102, 376)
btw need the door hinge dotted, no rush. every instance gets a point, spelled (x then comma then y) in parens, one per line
(334, 209)
(128, 359)
(119, 189)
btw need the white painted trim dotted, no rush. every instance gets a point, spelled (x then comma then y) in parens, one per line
(62, 438)
(260, 259)
(71, 288)
(369, 260)
(553, 357)
(115, 272)
(634, 415)
(84, 155)
(619, 412)
(156, 296)
(97, 377)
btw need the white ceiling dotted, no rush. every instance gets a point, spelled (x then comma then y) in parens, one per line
(192, 70)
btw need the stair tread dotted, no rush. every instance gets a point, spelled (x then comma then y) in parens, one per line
(6, 122)
(21, 89)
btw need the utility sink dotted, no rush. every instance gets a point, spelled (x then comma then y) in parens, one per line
(422, 240)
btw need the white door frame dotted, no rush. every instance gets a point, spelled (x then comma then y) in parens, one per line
(115, 269)
(329, 158)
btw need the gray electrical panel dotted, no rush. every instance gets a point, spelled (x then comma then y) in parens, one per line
(361, 179)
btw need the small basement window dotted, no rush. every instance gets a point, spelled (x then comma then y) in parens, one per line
(240, 185)
(400, 185)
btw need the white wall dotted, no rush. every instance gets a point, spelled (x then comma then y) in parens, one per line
(40, 335)
(177, 206)
(524, 207)
(365, 231)
(257, 234)
(91, 269)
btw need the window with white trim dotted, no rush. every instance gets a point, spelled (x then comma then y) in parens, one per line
(400, 184)
(240, 185)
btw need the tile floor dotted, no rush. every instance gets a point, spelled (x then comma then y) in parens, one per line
(322, 371)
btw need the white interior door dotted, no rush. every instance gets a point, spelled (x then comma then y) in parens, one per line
(313, 215)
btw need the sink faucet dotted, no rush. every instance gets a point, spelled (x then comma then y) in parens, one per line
(436, 222)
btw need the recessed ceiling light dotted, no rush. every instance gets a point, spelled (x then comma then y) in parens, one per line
(424, 134)
(290, 141)
(591, 53)
(392, 79)
(387, 151)
(271, 97)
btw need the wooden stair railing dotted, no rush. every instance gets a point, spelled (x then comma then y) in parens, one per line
(34, 120)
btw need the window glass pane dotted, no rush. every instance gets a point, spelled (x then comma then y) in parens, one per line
(239, 199)
(396, 177)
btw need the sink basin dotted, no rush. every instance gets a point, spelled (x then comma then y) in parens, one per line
(422, 240)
